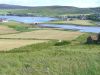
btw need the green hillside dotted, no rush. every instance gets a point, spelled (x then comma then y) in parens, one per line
(47, 59)
(48, 10)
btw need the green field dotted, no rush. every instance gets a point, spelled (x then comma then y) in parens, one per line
(74, 14)
(75, 22)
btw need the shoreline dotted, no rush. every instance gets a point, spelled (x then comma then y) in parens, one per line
(72, 24)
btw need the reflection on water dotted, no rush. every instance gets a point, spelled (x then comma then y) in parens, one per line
(74, 27)
(29, 19)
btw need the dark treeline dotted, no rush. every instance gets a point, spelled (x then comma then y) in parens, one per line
(95, 17)
(20, 15)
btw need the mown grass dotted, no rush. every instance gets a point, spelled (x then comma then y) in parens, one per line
(49, 34)
(48, 59)
(8, 44)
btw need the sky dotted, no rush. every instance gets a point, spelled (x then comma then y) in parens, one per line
(76, 3)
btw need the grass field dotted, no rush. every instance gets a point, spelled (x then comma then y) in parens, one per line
(48, 59)
(75, 22)
(74, 14)
(45, 34)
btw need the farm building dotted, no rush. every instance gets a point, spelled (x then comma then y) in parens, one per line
(69, 18)
(94, 39)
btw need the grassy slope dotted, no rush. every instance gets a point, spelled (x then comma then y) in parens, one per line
(75, 22)
(47, 59)
(49, 10)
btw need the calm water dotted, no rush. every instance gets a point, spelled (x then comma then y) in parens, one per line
(74, 27)
(29, 19)
(45, 19)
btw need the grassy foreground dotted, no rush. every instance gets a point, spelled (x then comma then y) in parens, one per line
(47, 59)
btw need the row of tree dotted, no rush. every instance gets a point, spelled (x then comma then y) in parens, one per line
(95, 17)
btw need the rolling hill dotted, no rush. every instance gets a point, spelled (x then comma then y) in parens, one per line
(7, 6)
(47, 10)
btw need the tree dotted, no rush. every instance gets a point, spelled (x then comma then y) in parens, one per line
(94, 17)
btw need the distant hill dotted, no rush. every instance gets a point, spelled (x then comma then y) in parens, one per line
(96, 10)
(64, 9)
(7, 6)
(59, 10)
(49, 10)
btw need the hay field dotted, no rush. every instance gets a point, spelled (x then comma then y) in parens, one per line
(45, 34)
(6, 30)
(7, 44)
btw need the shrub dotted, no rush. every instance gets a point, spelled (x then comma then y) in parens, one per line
(60, 43)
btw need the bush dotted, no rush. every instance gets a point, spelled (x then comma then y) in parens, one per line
(60, 43)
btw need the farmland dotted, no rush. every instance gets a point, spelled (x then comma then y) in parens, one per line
(14, 28)
(39, 53)
(10, 41)
(8, 44)
(47, 59)
(12, 35)
(75, 22)
(30, 53)
(26, 50)
(46, 51)
(44, 34)
(6, 30)
(21, 27)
